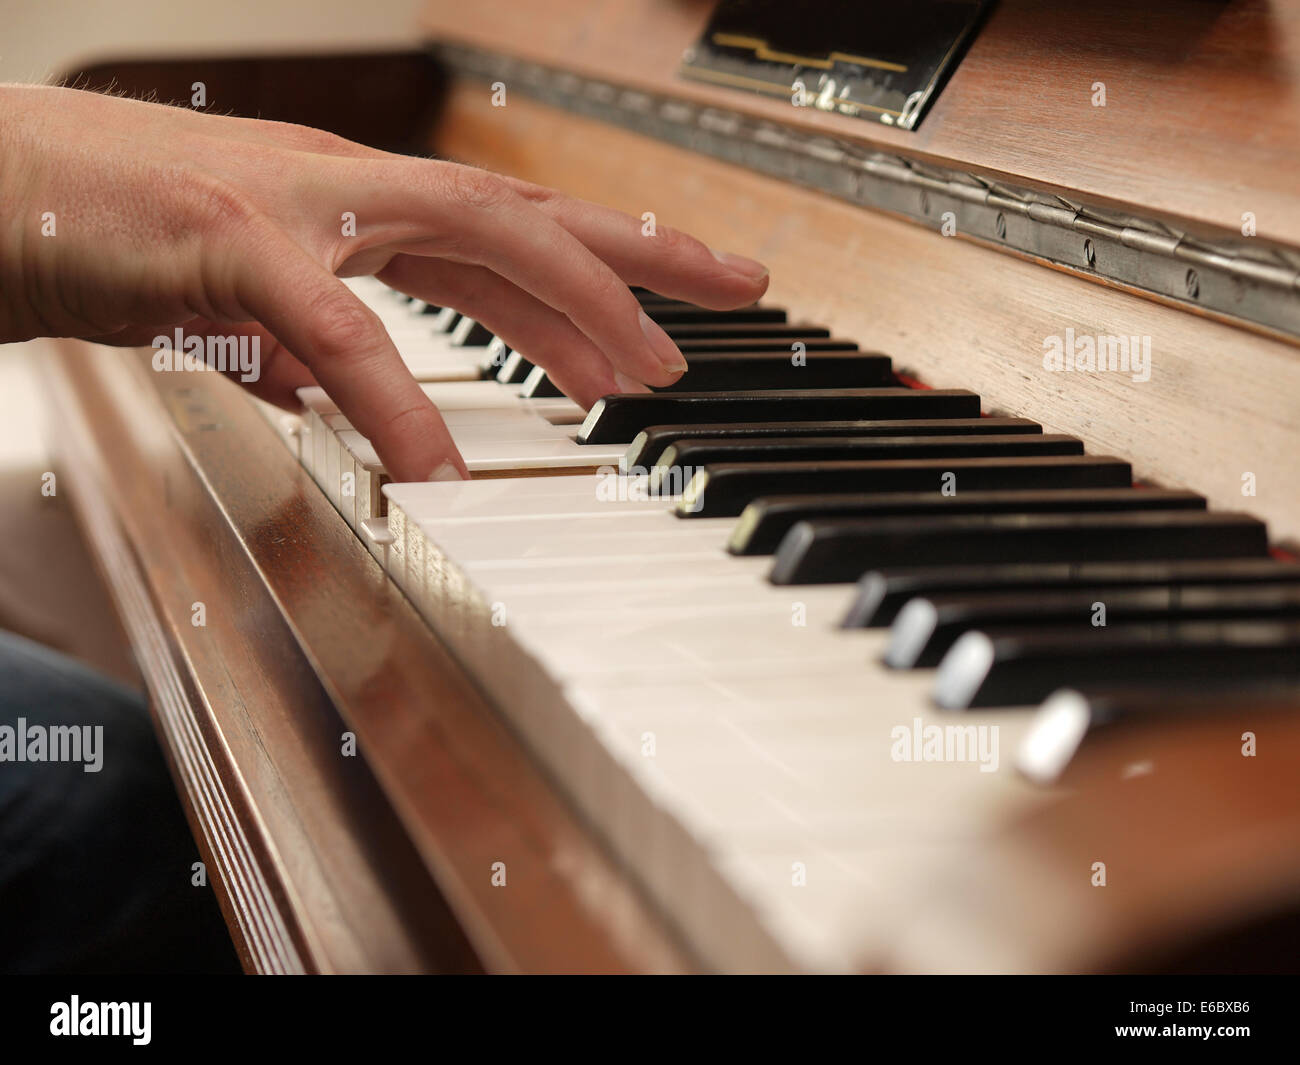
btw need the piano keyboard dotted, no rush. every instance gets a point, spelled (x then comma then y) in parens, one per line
(777, 630)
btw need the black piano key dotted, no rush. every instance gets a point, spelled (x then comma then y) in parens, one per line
(649, 444)
(697, 453)
(724, 336)
(537, 385)
(787, 331)
(1068, 715)
(666, 314)
(515, 370)
(728, 371)
(468, 333)
(718, 371)
(881, 593)
(779, 347)
(831, 551)
(927, 626)
(1015, 667)
(723, 491)
(617, 419)
(765, 522)
(444, 321)
(495, 356)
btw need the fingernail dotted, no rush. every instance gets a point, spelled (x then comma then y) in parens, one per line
(662, 345)
(446, 472)
(749, 268)
(626, 384)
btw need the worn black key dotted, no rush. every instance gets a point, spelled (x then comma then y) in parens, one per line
(729, 366)
(666, 314)
(780, 347)
(618, 418)
(495, 356)
(514, 370)
(1014, 667)
(679, 463)
(444, 321)
(711, 336)
(830, 551)
(789, 332)
(882, 593)
(467, 333)
(696, 453)
(649, 444)
(717, 371)
(927, 626)
(649, 299)
(1069, 714)
(765, 522)
(723, 491)
(538, 385)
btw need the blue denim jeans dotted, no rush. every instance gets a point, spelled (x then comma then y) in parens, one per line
(95, 867)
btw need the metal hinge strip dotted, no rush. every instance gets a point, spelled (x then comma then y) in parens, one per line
(1245, 278)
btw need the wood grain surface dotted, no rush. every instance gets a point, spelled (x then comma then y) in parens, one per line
(382, 862)
(1202, 115)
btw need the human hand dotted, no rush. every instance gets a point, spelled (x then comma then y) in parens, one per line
(165, 217)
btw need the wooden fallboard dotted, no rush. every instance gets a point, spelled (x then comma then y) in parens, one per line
(1201, 123)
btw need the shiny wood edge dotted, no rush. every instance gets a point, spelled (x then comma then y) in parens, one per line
(1179, 76)
(322, 866)
(1201, 847)
(1221, 400)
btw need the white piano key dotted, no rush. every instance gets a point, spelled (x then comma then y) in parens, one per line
(775, 733)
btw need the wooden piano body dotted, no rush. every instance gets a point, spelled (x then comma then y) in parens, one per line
(1118, 220)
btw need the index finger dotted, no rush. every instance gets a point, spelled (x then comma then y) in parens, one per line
(642, 252)
(317, 318)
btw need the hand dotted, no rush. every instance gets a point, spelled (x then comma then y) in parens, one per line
(164, 217)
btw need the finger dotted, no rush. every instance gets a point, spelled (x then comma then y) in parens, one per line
(274, 374)
(315, 316)
(436, 208)
(662, 259)
(268, 370)
(543, 334)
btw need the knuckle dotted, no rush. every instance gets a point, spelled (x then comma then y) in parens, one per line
(676, 244)
(216, 206)
(310, 139)
(351, 326)
(475, 190)
(606, 287)
(537, 195)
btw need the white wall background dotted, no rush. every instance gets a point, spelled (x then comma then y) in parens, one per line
(41, 38)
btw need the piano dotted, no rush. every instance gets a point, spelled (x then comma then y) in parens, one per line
(944, 617)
